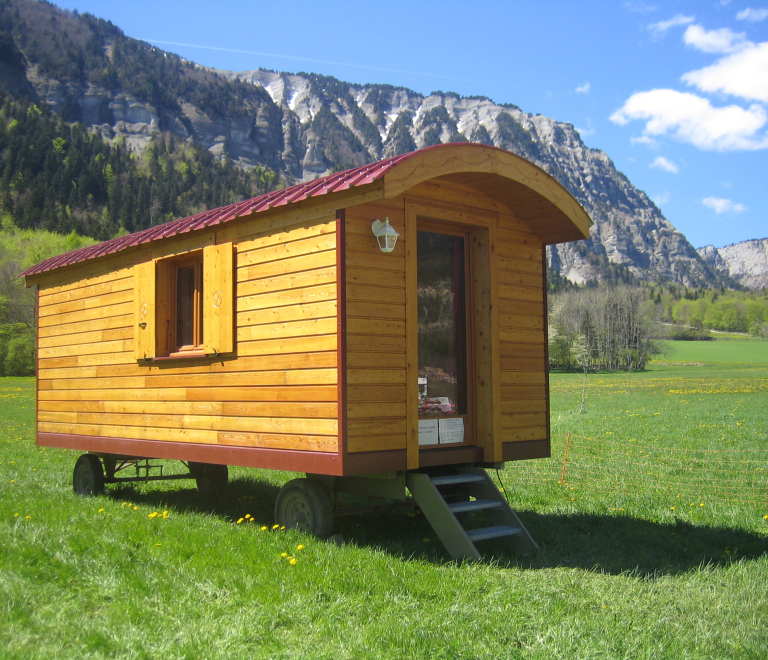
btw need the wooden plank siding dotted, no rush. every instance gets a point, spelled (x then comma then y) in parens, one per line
(522, 332)
(515, 407)
(278, 390)
(375, 319)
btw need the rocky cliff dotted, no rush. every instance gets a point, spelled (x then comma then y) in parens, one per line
(306, 125)
(745, 262)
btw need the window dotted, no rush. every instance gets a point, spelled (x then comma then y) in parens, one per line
(184, 304)
(186, 322)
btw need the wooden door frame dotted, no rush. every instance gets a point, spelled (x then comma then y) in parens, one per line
(484, 342)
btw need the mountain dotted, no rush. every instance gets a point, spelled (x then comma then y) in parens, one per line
(745, 262)
(301, 126)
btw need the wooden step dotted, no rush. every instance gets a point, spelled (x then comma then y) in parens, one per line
(475, 505)
(499, 531)
(453, 479)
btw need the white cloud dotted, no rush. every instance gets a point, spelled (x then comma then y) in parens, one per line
(583, 89)
(646, 140)
(638, 7)
(743, 74)
(720, 205)
(693, 119)
(664, 164)
(754, 15)
(715, 41)
(661, 27)
(661, 198)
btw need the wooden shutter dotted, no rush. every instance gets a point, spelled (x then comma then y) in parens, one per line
(144, 310)
(218, 299)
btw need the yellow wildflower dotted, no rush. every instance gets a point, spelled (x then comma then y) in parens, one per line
(239, 520)
(263, 528)
(293, 561)
(301, 546)
(101, 510)
(275, 526)
(283, 554)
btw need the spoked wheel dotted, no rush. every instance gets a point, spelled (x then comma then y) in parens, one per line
(305, 505)
(88, 478)
(209, 477)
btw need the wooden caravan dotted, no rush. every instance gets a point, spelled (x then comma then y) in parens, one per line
(275, 332)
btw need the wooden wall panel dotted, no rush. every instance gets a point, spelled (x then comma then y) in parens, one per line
(277, 391)
(375, 284)
(522, 333)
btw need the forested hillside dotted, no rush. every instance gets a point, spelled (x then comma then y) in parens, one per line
(59, 176)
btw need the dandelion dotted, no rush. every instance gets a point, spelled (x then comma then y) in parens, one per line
(764, 517)
(153, 515)
(301, 546)
(158, 544)
(135, 508)
(16, 515)
(282, 527)
(283, 554)
(101, 510)
(672, 508)
(275, 526)
(28, 517)
(263, 528)
(239, 520)
(702, 504)
(293, 561)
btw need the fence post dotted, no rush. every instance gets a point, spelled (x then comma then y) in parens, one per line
(565, 457)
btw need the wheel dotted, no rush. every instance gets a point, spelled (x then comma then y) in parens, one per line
(305, 505)
(209, 477)
(88, 478)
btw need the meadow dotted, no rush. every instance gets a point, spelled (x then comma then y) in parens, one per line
(654, 544)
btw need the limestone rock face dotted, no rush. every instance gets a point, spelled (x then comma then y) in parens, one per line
(746, 262)
(629, 230)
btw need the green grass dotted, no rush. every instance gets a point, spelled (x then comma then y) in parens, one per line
(732, 349)
(620, 573)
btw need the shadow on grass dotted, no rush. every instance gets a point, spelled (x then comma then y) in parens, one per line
(241, 496)
(610, 544)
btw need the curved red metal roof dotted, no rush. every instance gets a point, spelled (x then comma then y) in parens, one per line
(359, 176)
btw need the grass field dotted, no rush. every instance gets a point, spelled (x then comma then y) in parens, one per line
(654, 546)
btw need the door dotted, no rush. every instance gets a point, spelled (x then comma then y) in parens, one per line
(444, 361)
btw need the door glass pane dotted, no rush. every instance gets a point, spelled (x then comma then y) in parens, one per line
(185, 306)
(442, 325)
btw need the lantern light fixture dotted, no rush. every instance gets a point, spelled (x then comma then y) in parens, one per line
(385, 234)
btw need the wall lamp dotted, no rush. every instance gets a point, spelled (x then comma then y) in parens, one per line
(385, 235)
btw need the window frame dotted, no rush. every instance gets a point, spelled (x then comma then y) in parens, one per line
(156, 305)
(177, 349)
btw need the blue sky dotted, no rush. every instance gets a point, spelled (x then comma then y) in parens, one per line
(675, 91)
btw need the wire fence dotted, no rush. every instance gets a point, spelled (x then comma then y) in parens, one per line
(613, 466)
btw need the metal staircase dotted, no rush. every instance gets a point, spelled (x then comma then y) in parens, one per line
(446, 500)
